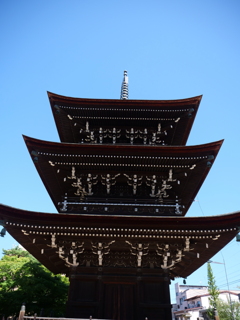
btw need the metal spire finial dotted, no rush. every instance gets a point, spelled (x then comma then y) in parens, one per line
(124, 89)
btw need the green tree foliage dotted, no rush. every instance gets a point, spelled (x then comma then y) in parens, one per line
(18, 252)
(213, 291)
(227, 311)
(24, 279)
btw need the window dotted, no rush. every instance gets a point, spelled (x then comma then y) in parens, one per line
(182, 299)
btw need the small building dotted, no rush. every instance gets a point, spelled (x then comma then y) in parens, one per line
(192, 301)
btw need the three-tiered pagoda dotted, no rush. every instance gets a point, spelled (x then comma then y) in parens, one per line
(122, 180)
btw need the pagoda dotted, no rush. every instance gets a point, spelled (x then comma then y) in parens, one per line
(122, 180)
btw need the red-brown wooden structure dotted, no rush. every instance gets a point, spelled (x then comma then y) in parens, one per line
(122, 181)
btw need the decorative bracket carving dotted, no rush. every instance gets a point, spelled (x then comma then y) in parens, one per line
(132, 134)
(91, 180)
(101, 248)
(172, 255)
(109, 181)
(81, 192)
(138, 249)
(134, 181)
(67, 250)
(114, 134)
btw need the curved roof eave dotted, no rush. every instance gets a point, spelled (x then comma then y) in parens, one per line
(33, 142)
(53, 97)
(33, 231)
(226, 220)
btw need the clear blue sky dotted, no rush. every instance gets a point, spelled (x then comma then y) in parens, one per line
(171, 49)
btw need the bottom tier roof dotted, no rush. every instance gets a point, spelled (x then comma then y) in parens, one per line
(177, 245)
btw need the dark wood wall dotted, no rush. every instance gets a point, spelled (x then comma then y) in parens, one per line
(123, 295)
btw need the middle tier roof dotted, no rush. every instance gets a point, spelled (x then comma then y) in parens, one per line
(120, 179)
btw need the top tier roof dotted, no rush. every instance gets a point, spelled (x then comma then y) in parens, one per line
(157, 122)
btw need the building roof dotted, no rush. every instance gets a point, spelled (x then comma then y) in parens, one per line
(142, 180)
(175, 118)
(189, 287)
(234, 292)
(174, 245)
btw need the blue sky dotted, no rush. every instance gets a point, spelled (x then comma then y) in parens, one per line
(171, 49)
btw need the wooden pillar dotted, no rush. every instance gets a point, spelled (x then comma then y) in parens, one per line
(83, 296)
(22, 312)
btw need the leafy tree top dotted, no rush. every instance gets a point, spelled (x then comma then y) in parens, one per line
(18, 252)
(212, 287)
(213, 291)
(24, 279)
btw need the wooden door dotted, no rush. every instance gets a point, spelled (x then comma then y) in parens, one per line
(119, 301)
